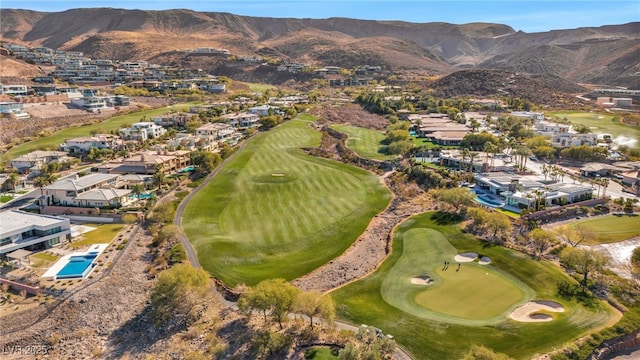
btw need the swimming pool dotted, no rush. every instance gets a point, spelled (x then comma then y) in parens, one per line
(78, 266)
(488, 202)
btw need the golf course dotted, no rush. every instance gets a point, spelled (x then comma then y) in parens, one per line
(469, 303)
(273, 211)
(603, 124)
(609, 228)
(365, 142)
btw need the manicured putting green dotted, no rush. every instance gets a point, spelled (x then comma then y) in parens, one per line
(387, 299)
(474, 295)
(273, 211)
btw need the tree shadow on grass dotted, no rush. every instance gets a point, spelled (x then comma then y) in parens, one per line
(446, 218)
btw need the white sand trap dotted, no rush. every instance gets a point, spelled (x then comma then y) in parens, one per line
(277, 174)
(77, 230)
(525, 313)
(485, 260)
(466, 257)
(421, 280)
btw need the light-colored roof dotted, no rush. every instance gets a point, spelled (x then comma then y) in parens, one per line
(39, 154)
(14, 220)
(103, 194)
(635, 174)
(19, 254)
(81, 183)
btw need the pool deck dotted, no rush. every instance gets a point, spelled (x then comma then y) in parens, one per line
(95, 249)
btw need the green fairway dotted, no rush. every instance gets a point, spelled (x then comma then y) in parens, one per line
(610, 228)
(273, 211)
(256, 87)
(53, 142)
(387, 300)
(602, 124)
(365, 142)
(103, 234)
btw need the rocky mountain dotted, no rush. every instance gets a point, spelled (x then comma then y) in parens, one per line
(606, 54)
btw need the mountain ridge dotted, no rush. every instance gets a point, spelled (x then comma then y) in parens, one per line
(435, 48)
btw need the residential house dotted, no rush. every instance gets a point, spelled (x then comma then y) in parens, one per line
(220, 131)
(553, 194)
(263, 110)
(13, 110)
(23, 230)
(64, 192)
(107, 197)
(82, 145)
(536, 116)
(14, 90)
(242, 120)
(149, 162)
(33, 161)
(192, 142)
(631, 177)
(573, 139)
(142, 131)
(175, 120)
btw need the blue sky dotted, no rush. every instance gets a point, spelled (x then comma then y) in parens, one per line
(528, 16)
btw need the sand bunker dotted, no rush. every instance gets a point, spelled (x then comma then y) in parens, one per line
(526, 312)
(466, 257)
(485, 260)
(277, 174)
(421, 280)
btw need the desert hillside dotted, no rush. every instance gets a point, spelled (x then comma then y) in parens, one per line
(606, 54)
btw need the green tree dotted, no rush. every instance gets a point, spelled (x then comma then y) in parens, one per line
(177, 293)
(541, 240)
(276, 296)
(499, 224)
(584, 261)
(314, 304)
(167, 233)
(456, 197)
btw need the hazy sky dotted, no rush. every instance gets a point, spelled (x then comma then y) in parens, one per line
(528, 16)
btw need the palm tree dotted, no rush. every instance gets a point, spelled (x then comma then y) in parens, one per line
(465, 153)
(545, 171)
(472, 155)
(13, 180)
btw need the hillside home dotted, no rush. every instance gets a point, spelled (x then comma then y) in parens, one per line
(33, 161)
(142, 131)
(220, 131)
(174, 120)
(64, 192)
(573, 139)
(191, 142)
(14, 90)
(553, 194)
(13, 110)
(23, 230)
(148, 162)
(536, 116)
(81, 145)
(242, 120)
(263, 110)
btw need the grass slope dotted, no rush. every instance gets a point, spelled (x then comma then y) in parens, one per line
(273, 211)
(366, 142)
(103, 234)
(602, 124)
(363, 302)
(610, 228)
(53, 142)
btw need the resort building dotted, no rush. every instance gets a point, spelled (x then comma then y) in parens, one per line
(23, 230)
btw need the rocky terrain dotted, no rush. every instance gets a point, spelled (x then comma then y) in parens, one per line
(593, 55)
